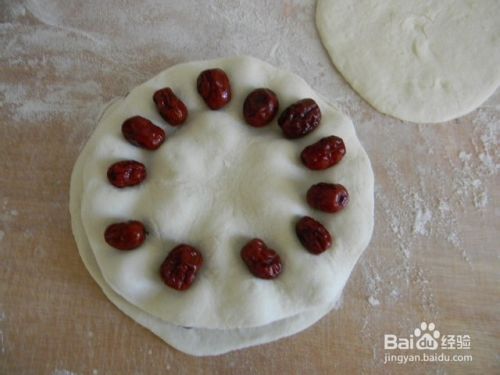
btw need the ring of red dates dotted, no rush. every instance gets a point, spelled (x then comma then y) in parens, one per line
(260, 108)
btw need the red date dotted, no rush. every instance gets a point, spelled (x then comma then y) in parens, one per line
(300, 119)
(126, 173)
(261, 261)
(141, 132)
(214, 87)
(170, 107)
(125, 236)
(260, 107)
(323, 154)
(180, 267)
(327, 197)
(313, 235)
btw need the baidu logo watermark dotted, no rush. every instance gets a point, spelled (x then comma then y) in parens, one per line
(432, 346)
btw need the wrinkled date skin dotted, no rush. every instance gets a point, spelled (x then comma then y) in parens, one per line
(323, 154)
(313, 235)
(170, 107)
(214, 87)
(180, 267)
(125, 236)
(300, 118)
(260, 107)
(141, 132)
(261, 261)
(126, 173)
(326, 197)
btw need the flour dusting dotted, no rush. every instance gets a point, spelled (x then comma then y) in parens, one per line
(66, 68)
(423, 216)
(422, 206)
(2, 343)
(63, 372)
(373, 301)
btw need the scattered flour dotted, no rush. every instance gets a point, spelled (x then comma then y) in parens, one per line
(423, 216)
(479, 163)
(421, 209)
(418, 207)
(2, 343)
(63, 372)
(7, 218)
(373, 301)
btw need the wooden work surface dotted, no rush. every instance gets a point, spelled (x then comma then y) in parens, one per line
(433, 257)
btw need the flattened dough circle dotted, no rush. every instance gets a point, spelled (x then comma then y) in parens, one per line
(421, 61)
(226, 308)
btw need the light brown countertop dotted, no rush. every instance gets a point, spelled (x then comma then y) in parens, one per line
(434, 254)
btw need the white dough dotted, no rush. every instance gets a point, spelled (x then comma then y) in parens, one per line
(421, 61)
(195, 341)
(216, 183)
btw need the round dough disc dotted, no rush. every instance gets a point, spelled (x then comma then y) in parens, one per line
(215, 183)
(194, 341)
(420, 61)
